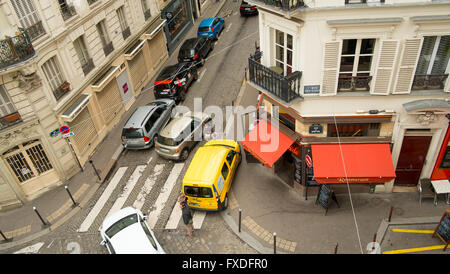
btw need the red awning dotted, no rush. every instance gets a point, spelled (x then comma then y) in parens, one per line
(266, 143)
(364, 163)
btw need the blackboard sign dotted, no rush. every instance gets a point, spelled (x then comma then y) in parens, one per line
(443, 229)
(324, 195)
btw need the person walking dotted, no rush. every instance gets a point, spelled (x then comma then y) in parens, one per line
(186, 214)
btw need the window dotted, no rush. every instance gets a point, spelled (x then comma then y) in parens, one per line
(354, 129)
(121, 224)
(446, 160)
(178, 18)
(149, 235)
(67, 11)
(6, 105)
(83, 56)
(283, 51)
(145, 9)
(123, 22)
(230, 157)
(54, 76)
(356, 63)
(28, 18)
(104, 37)
(225, 171)
(200, 192)
(27, 160)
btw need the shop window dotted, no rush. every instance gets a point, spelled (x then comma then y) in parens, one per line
(177, 19)
(27, 160)
(446, 160)
(354, 130)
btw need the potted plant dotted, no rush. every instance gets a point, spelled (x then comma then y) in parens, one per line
(65, 86)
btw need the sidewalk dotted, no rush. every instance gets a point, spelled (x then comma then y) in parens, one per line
(22, 225)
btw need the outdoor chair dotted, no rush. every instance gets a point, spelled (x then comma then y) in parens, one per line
(425, 189)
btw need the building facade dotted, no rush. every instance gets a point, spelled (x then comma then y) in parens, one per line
(79, 64)
(352, 73)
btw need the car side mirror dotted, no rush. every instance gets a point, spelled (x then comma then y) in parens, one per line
(103, 243)
(145, 218)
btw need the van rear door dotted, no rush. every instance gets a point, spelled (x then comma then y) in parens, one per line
(133, 136)
(200, 196)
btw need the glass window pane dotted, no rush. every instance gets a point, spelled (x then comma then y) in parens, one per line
(349, 46)
(279, 53)
(425, 54)
(364, 63)
(442, 56)
(289, 41)
(367, 46)
(289, 57)
(347, 63)
(279, 37)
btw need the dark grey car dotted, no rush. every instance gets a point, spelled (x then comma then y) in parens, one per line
(143, 126)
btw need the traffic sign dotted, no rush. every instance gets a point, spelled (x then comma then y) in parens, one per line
(66, 135)
(64, 129)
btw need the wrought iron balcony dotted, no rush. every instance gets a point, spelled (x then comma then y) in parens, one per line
(87, 67)
(354, 83)
(9, 120)
(286, 88)
(126, 33)
(108, 48)
(15, 49)
(429, 81)
(285, 5)
(67, 11)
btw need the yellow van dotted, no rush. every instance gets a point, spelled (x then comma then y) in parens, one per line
(208, 179)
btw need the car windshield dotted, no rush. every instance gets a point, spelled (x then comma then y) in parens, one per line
(121, 224)
(132, 133)
(167, 141)
(200, 192)
(187, 53)
(203, 29)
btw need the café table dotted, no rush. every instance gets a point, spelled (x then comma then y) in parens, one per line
(441, 187)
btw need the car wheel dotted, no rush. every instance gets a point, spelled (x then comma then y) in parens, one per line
(195, 72)
(225, 203)
(202, 62)
(182, 96)
(184, 154)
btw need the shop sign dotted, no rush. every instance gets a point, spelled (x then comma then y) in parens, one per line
(312, 89)
(308, 161)
(315, 129)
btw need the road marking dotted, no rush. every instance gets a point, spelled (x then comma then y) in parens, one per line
(235, 13)
(103, 199)
(147, 187)
(149, 160)
(413, 231)
(164, 195)
(32, 249)
(201, 75)
(137, 173)
(410, 250)
(198, 218)
(229, 27)
(174, 218)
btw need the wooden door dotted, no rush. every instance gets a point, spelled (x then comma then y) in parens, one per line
(411, 160)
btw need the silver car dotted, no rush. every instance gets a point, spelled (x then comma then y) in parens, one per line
(177, 139)
(141, 129)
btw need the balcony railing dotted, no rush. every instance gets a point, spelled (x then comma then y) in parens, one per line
(67, 11)
(15, 49)
(286, 88)
(35, 31)
(90, 2)
(108, 48)
(354, 83)
(147, 14)
(88, 66)
(286, 5)
(9, 120)
(126, 33)
(429, 81)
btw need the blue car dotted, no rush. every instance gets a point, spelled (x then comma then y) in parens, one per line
(211, 27)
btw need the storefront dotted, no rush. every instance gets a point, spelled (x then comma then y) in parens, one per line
(179, 20)
(441, 169)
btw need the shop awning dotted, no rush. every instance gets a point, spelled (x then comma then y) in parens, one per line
(364, 163)
(266, 143)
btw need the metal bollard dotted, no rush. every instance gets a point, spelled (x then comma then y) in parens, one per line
(96, 172)
(390, 214)
(40, 217)
(336, 248)
(274, 243)
(70, 195)
(240, 216)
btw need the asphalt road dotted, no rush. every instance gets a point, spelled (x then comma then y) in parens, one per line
(219, 82)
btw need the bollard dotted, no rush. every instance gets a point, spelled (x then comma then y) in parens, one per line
(240, 216)
(336, 248)
(96, 172)
(4, 237)
(40, 217)
(374, 240)
(70, 195)
(390, 214)
(274, 243)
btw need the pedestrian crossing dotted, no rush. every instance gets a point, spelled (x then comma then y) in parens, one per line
(146, 186)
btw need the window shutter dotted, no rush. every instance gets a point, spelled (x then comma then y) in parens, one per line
(331, 59)
(26, 12)
(382, 79)
(408, 63)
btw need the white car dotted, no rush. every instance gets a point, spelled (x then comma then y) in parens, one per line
(126, 232)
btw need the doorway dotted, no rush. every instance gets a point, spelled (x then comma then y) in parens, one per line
(411, 160)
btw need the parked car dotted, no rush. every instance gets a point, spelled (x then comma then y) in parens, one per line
(208, 178)
(177, 139)
(126, 232)
(247, 9)
(211, 27)
(144, 124)
(174, 80)
(195, 50)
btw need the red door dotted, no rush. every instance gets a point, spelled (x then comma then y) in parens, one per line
(411, 160)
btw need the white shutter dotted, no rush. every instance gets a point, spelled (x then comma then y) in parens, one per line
(382, 79)
(408, 63)
(26, 12)
(331, 57)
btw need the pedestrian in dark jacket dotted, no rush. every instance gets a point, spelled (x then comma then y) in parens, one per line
(186, 214)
